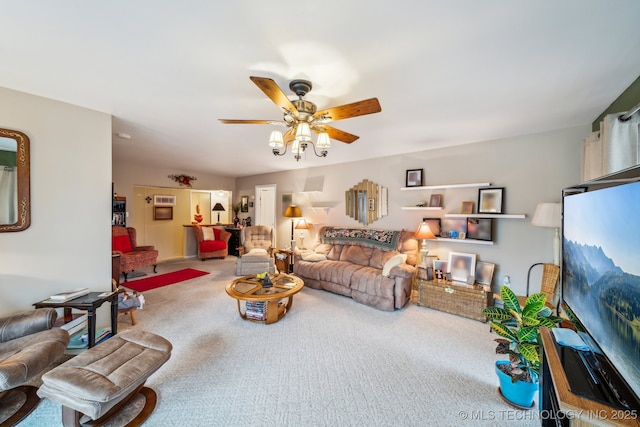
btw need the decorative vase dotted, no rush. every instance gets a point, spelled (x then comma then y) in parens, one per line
(236, 221)
(520, 393)
(198, 218)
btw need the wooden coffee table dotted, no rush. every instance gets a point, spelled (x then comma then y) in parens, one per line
(264, 304)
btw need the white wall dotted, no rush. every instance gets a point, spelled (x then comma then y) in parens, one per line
(532, 168)
(68, 244)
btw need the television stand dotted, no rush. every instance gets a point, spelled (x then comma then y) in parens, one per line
(561, 402)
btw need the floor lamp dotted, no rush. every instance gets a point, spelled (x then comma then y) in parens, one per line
(424, 232)
(292, 212)
(548, 215)
(218, 208)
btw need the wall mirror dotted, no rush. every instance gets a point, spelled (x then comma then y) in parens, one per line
(366, 202)
(15, 200)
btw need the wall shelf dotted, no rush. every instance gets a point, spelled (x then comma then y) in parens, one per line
(446, 186)
(323, 206)
(499, 216)
(469, 241)
(421, 208)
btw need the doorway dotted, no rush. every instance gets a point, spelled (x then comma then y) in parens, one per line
(266, 206)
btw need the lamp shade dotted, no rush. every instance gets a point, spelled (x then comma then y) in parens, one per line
(303, 132)
(293, 212)
(302, 225)
(547, 215)
(323, 140)
(218, 207)
(424, 232)
(275, 141)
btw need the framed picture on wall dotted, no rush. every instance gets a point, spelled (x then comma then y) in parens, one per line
(435, 201)
(434, 225)
(414, 177)
(490, 200)
(480, 229)
(244, 203)
(467, 208)
(162, 213)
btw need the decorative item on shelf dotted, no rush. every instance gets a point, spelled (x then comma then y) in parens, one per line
(414, 177)
(519, 339)
(302, 225)
(467, 208)
(236, 208)
(198, 216)
(491, 200)
(424, 233)
(292, 212)
(549, 215)
(183, 179)
(247, 221)
(302, 118)
(218, 208)
(422, 204)
(435, 201)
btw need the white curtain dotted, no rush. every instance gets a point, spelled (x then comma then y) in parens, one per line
(619, 142)
(8, 195)
(592, 157)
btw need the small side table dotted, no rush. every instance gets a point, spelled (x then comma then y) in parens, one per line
(234, 241)
(284, 265)
(88, 303)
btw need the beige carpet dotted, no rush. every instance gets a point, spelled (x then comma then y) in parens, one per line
(329, 362)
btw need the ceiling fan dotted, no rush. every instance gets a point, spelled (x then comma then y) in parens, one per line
(302, 118)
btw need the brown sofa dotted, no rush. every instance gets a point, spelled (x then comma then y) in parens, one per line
(132, 256)
(354, 264)
(216, 248)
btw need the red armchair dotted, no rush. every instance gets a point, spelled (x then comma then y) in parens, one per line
(212, 246)
(132, 256)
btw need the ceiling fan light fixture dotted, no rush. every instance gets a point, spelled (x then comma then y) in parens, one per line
(303, 132)
(275, 140)
(323, 141)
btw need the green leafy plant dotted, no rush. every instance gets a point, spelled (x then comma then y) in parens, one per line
(235, 208)
(518, 328)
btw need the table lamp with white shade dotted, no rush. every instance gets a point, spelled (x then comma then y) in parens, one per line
(549, 215)
(424, 232)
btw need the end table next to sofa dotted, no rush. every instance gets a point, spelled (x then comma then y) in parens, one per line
(284, 265)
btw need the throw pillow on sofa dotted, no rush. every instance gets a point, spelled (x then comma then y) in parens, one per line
(392, 262)
(312, 256)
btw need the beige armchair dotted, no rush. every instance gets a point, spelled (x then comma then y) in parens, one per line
(255, 251)
(28, 346)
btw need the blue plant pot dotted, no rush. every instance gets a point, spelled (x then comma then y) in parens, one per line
(519, 393)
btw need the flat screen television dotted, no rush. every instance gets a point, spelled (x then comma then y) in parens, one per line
(601, 276)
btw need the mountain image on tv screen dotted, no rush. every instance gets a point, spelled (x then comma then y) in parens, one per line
(601, 256)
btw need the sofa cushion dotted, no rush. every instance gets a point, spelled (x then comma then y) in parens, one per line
(323, 248)
(212, 245)
(121, 243)
(356, 254)
(334, 252)
(392, 262)
(210, 233)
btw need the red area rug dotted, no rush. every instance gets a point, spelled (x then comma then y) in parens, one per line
(161, 280)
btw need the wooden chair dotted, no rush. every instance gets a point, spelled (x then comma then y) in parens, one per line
(128, 311)
(550, 276)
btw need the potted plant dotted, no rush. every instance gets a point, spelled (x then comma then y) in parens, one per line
(518, 328)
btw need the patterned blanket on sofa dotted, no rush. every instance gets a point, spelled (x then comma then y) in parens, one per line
(383, 239)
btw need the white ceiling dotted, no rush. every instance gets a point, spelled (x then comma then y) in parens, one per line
(445, 72)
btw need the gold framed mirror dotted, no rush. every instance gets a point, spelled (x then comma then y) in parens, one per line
(15, 171)
(366, 202)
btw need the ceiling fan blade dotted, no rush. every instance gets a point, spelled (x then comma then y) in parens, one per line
(246, 122)
(360, 108)
(288, 137)
(273, 91)
(336, 134)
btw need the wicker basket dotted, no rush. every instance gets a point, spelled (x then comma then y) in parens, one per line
(455, 298)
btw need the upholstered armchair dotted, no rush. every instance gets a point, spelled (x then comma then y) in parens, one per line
(255, 251)
(132, 256)
(212, 242)
(28, 346)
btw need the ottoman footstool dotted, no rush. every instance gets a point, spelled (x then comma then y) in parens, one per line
(104, 379)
